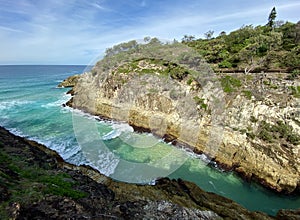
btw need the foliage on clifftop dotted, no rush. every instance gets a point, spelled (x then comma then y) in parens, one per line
(252, 48)
(169, 53)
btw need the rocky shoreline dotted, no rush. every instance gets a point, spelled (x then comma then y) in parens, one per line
(36, 183)
(257, 122)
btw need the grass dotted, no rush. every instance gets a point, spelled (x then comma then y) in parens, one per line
(28, 183)
(295, 90)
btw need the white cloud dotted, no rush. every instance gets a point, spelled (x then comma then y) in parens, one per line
(57, 33)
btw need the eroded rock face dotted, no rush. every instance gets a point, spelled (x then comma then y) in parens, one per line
(253, 130)
(100, 197)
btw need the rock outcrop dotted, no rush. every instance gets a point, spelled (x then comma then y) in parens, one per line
(246, 123)
(69, 82)
(35, 183)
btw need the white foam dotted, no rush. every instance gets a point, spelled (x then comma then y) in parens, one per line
(16, 132)
(111, 135)
(118, 129)
(14, 103)
(123, 127)
(66, 149)
(106, 163)
(62, 100)
(78, 112)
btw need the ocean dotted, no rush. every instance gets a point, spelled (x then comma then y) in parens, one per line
(31, 107)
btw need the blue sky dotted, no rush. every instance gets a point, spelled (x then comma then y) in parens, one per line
(78, 31)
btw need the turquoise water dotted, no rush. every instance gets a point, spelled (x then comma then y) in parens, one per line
(31, 106)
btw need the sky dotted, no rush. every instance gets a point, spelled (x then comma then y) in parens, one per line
(79, 31)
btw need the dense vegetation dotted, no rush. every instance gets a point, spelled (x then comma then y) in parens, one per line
(273, 46)
(174, 56)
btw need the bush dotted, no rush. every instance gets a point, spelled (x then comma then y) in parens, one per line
(293, 75)
(230, 83)
(280, 130)
(247, 94)
(295, 91)
(225, 64)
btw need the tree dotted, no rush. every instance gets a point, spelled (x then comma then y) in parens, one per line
(188, 38)
(147, 39)
(272, 18)
(208, 35)
(223, 33)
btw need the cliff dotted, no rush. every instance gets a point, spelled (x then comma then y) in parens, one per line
(35, 183)
(246, 123)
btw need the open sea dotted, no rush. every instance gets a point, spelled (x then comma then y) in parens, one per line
(31, 106)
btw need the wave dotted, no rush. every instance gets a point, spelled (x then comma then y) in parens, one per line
(62, 100)
(106, 163)
(78, 112)
(15, 103)
(68, 149)
(111, 135)
(118, 129)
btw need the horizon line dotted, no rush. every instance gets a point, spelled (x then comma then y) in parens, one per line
(45, 65)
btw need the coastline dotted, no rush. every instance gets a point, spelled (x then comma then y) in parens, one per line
(91, 190)
(105, 111)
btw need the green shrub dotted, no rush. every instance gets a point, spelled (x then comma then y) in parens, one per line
(294, 74)
(225, 64)
(280, 130)
(250, 135)
(295, 91)
(190, 80)
(200, 102)
(247, 94)
(230, 83)
(266, 136)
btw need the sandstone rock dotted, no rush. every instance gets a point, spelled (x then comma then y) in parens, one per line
(226, 127)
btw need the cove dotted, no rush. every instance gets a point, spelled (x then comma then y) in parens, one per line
(31, 106)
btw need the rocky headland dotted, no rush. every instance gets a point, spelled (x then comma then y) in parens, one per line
(36, 183)
(248, 123)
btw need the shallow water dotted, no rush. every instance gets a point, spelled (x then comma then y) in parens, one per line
(31, 106)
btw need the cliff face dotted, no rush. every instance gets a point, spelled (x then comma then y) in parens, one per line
(247, 123)
(35, 183)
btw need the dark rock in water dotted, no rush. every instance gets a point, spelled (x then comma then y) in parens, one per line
(35, 183)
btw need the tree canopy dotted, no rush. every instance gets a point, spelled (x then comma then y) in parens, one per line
(254, 48)
(272, 18)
